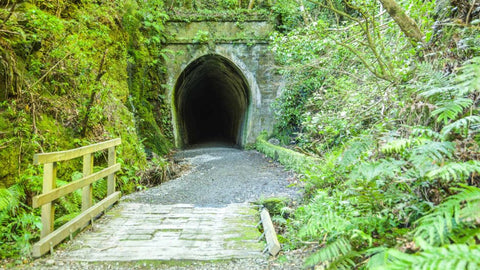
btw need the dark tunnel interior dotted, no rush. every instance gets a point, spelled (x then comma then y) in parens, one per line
(211, 101)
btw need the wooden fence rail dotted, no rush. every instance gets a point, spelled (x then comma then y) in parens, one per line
(50, 238)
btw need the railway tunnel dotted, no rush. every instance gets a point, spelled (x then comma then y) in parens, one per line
(211, 102)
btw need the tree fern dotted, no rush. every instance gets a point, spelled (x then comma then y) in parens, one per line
(344, 262)
(458, 211)
(65, 218)
(69, 203)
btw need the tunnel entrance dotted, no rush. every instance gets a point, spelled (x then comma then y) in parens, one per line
(211, 101)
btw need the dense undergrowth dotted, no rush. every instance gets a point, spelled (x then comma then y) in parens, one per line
(395, 123)
(73, 73)
(77, 72)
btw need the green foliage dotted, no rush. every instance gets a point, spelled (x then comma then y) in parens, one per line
(453, 218)
(19, 226)
(68, 62)
(450, 257)
(337, 254)
(380, 187)
(146, 22)
(288, 158)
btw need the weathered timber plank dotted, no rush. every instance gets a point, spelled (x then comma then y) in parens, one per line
(74, 153)
(111, 178)
(270, 235)
(71, 187)
(43, 246)
(87, 190)
(48, 210)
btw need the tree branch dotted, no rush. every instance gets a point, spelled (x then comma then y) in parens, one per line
(48, 71)
(408, 26)
(332, 8)
(467, 19)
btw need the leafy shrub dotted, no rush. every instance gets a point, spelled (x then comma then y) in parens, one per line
(387, 190)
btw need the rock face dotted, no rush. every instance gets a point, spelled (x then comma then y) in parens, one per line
(221, 80)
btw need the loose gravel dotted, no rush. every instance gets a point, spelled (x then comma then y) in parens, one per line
(219, 176)
(216, 176)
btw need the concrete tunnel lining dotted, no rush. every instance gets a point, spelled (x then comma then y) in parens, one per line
(211, 102)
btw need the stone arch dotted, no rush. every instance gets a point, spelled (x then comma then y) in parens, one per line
(212, 100)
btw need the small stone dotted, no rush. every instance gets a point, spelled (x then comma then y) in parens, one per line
(50, 262)
(274, 141)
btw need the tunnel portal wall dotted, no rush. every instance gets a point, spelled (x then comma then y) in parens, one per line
(256, 64)
(211, 101)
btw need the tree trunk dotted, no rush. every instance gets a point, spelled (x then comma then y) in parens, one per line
(250, 5)
(407, 24)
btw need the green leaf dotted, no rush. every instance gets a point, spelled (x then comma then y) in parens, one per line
(451, 109)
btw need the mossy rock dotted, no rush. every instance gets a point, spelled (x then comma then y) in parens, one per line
(274, 205)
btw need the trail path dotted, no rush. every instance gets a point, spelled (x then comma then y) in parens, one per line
(204, 215)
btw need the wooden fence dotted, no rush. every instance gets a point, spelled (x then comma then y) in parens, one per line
(50, 238)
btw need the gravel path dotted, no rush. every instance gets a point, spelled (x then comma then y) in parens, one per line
(219, 176)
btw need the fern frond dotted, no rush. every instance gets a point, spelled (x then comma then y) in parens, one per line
(17, 195)
(377, 257)
(435, 151)
(435, 92)
(327, 222)
(355, 150)
(330, 252)
(372, 170)
(450, 109)
(426, 132)
(398, 146)
(65, 218)
(455, 170)
(468, 80)
(456, 212)
(460, 124)
(449, 257)
(68, 204)
(5, 198)
(100, 189)
(344, 262)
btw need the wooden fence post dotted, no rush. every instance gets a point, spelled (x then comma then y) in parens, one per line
(49, 237)
(111, 177)
(48, 210)
(87, 190)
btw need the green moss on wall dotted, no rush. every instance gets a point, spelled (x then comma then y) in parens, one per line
(289, 158)
(68, 84)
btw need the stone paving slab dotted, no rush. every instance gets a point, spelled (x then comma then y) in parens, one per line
(138, 231)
